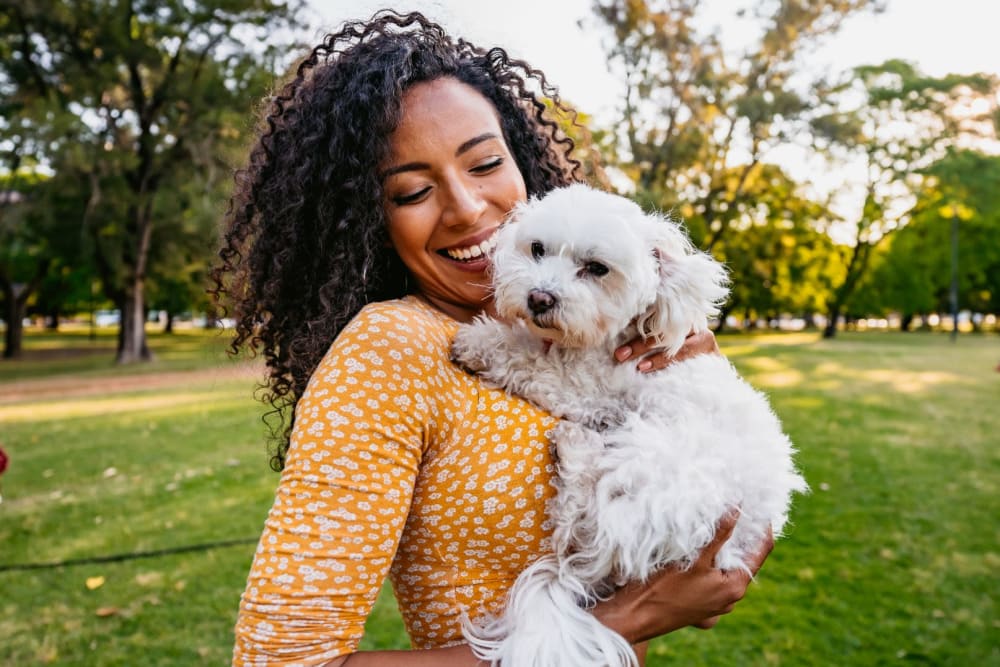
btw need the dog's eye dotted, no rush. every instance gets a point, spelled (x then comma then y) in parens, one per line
(595, 269)
(537, 250)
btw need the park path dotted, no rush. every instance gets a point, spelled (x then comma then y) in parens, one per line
(68, 386)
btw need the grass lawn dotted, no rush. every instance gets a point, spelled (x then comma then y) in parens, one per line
(893, 558)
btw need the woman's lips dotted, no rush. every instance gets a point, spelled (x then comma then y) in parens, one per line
(472, 254)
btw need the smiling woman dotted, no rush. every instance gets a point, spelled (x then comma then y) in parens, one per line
(358, 239)
(451, 183)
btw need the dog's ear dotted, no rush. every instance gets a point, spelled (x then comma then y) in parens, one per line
(692, 285)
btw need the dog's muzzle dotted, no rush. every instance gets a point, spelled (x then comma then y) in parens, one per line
(540, 301)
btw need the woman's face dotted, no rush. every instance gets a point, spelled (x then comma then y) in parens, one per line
(449, 182)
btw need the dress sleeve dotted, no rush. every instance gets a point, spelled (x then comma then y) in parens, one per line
(343, 498)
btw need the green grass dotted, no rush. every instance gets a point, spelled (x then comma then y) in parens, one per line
(893, 558)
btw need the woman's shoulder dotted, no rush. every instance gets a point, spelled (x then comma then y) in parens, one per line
(404, 334)
(400, 320)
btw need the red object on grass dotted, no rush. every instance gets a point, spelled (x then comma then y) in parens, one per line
(3, 460)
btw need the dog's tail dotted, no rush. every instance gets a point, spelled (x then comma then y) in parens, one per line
(544, 625)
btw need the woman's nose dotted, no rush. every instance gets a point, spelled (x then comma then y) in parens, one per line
(466, 204)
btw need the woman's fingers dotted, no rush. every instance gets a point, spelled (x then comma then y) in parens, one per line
(633, 349)
(723, 531)
(651, 359)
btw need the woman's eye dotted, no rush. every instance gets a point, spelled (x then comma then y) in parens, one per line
(487, 166)
(402, 200)
(537, 250)
(595, 269)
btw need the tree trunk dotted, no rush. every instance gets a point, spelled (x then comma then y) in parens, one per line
(168, 327)
(132, 347)
(905, 321)
(52, 320)
(830, 330)
(15, 298)
(723, 314)
(14, 317)
(211, 318)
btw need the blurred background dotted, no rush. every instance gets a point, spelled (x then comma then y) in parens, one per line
(835, 155)
(840, 156)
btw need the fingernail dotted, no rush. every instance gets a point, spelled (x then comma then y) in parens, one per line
(623, 353)
(645, 365)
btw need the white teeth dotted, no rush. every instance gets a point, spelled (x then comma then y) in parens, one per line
(474, 251)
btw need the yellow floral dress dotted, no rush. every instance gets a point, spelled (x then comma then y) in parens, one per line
(401, 464)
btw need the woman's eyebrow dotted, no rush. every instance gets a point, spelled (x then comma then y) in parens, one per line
(417, 166)
(409, 166)
(466, 145)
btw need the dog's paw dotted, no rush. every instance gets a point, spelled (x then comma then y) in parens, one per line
(467, 350)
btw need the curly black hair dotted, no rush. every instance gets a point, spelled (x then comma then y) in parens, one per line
(305, 242)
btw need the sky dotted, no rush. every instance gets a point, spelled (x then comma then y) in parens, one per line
(561, 38)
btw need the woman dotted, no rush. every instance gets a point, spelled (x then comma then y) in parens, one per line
(356, 244)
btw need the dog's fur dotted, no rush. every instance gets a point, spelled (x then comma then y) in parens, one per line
(648, 464)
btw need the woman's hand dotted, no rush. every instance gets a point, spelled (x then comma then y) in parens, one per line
(652, 359)
(674, 598)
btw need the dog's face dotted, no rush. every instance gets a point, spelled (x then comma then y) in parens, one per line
(579, 266)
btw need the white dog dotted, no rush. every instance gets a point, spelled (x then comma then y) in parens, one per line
(648, 464)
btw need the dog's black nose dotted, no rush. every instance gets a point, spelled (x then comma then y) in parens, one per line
(540, 301)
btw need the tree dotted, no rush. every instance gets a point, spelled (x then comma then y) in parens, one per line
(697, 121)
(913, 274)
(24, 259)
(34, 225)
(900, 124)
(778, 252)
(39, 235)
(159, 91)
(180, 257)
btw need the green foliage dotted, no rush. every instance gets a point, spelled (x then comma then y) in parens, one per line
(777, 252)
(903, 123)
(913, 274)
(39, 238)
(153, 99)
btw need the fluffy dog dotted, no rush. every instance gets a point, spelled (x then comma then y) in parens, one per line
(648, 464)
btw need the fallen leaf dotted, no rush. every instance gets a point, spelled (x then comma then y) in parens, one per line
(94, 583)
(104, 612)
